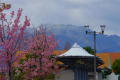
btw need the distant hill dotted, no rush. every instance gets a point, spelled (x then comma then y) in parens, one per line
(72, 33)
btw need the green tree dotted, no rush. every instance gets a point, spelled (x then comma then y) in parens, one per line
(116, 67)
(89, 50)
(105, 72)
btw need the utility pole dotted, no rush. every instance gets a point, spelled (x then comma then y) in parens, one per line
(94, 33)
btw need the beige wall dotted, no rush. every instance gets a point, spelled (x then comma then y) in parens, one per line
(65, 75)
(69, 75)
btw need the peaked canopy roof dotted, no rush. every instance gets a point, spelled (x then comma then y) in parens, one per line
(76, 50)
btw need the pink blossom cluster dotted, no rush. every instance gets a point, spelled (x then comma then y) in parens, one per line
(42, 62)
(11, 37)
(40, 48)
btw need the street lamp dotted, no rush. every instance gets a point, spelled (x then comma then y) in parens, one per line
(94, 34)
(102, 28)
(4, 6)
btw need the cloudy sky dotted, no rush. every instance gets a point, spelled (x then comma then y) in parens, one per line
(76, 12)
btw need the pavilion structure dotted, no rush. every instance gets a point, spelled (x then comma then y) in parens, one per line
(79, 61)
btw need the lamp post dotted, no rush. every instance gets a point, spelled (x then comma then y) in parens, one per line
(4, 6)
(94, 34)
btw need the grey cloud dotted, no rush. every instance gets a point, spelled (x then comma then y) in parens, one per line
(77, 12)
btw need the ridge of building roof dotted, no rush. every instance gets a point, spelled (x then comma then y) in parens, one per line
(76, 50)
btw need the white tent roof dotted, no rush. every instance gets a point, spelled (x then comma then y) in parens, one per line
(76, 50)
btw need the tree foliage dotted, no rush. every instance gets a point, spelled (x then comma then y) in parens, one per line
(40, 63)
(106, 71)
(11, 39)
(116, 66)
(89, 50)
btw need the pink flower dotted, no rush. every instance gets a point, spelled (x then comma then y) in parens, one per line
(12, 13)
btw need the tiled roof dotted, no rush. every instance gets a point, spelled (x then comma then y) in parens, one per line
(76, 50)
(108, 58)
(105, 58)
(58, 52)
(114, 56)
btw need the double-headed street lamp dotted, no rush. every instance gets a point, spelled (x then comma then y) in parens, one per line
(94, 33)
(4, 6)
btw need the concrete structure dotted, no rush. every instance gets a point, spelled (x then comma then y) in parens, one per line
(65, 75)
(80, 62)
(69, 75)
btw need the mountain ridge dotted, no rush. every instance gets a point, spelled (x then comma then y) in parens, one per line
(72, 33)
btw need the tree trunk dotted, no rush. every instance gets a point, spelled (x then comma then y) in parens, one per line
(10, 75)
(10, 71)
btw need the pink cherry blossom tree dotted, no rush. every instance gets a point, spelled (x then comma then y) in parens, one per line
(40, 61)
(11, 39)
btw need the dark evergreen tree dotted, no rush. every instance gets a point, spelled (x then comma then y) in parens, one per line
(116, 67)
(89, 50)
